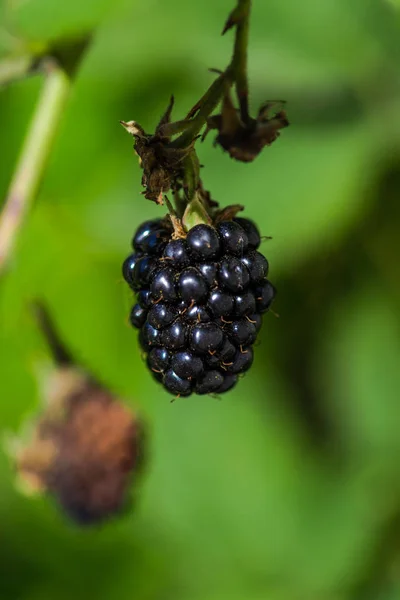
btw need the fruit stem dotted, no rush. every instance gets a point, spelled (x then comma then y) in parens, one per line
(35, 155)
(236, 72)
(192, 175)
(179, 231)
(204, 108)
(180, 203)
(238, 65)
(60, 354)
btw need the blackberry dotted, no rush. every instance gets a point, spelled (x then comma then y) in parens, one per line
(192, 286)
(253, 235)
(138, 316)
(233, 275)
(200, 302)
(203, 242)
(233, 237)
(177, 252)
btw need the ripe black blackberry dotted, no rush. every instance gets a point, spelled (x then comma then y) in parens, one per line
(199, 302)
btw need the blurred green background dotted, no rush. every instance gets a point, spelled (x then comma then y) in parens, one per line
(289, 487)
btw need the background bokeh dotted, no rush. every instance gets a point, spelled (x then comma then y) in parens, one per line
(289, 487)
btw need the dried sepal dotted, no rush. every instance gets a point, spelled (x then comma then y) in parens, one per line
(179, 230)
(162, 164)
(228, 213)
(166, 117)
(245, 141)
(196, 213)
(133, 128)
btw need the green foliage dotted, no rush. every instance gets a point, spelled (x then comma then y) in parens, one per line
(243, 498)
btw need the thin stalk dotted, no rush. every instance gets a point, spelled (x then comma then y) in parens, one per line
(238, 65)
(34, 157)
(210, 101)
(60, 354)
(180, 204)
(192, 175)
(235, 72)
(12, 69)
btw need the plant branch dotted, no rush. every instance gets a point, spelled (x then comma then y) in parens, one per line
(12, 69)
(238, 65)
(235, 72)
(34, 157)
(59, 352)
(204, 108)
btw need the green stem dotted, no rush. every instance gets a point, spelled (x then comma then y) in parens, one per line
(180, 204)
(192, 175)
(59, 352)
(12, 69)
(210, 101)
(34, 157)
(235, 72)
(238, 65)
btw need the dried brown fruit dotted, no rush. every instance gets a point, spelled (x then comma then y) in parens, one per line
(86, 449)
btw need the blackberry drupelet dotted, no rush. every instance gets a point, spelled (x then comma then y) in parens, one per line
(200, 302)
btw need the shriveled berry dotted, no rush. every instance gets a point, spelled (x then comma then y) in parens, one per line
(192, 286)
(233, 275)
(128, 268)
(163, 285)
(242, 360)
(143, 232)
(174, 336)
(176, 254)
(242, 332)
(161, 315)
(220, 303)
(244, 304)
(177, 385)
(252, 232)
(206, 337)
(209, 382)
(203, 241)
(138, 316)
(233, 238)
(185, 364)
(264, 294)
(257, 266)
(149, 336)
(143, 271)
(158, 360)
(209, 271)
(229, 382)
